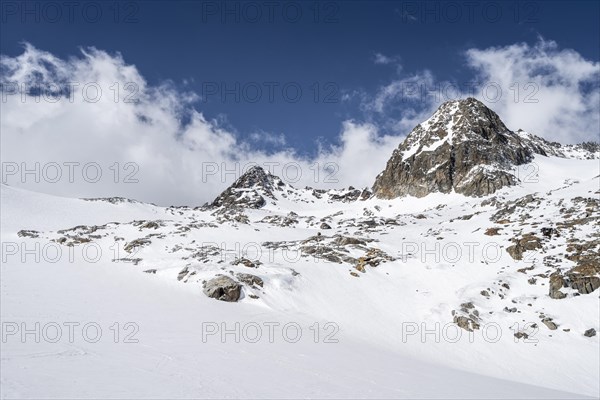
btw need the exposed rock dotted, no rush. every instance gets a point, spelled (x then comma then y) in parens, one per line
(464, 147)
(527, 243)
(245, 262)
(182, 274)
(583, 277)
(584, 284)
(279, 220)
(590, 332)
(249, 279)
(349, 196)
(492, 231)
(549, 232)
(112, 200)
(129, 247)
(151, 225)
(134, 261)
(551, 325)
(325, 225)
(347, 240)
(521, 335)
(466, 323)
(373, 258)
(250, 190)
(28, 233)
(223, 288)
(556, 283)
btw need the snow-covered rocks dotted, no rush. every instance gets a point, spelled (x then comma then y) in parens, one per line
(465, 148)
(251, 190)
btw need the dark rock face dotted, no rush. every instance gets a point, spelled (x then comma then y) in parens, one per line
(28, 233)
(584, 284)
(250, 190)
(464, 147)
(351, 195)
(584, 279)
(527, 243)
(590, 332)
(223, 288)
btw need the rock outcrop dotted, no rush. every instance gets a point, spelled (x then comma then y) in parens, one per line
(251, 190)
(223, 288)
(464, 147)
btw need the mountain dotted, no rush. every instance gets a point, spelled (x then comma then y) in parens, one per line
(252, 189)
(464, 147)
(256, 187)
(486, 283)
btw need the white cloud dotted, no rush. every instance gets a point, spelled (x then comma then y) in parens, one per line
(176, 161)
(558, 93)
(382, 59)
(268, 138)
(548, 91)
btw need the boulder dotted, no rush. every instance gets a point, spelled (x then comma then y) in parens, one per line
(325, 225)
(223, 288)
(590, 332)
(551, 325)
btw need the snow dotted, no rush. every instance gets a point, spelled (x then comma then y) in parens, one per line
(375, 355)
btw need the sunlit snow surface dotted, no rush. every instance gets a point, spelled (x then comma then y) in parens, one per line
(370, 356)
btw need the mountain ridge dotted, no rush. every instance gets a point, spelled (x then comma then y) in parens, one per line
(464, 147)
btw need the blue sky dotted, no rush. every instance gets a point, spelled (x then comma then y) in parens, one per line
(327, 52)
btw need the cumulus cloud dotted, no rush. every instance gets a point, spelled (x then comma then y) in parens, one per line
(96, 113)
(540, 88)
(65, 121)
(546, 90)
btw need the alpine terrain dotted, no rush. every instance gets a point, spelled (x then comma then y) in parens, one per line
(470, 269)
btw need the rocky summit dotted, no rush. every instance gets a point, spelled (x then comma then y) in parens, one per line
(250, 189)
(464, 148)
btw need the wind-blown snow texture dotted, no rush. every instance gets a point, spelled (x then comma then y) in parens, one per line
(442, 296)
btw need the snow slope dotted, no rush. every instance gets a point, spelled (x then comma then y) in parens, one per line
(384, 333)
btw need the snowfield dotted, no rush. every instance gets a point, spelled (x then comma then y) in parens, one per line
(314, 327)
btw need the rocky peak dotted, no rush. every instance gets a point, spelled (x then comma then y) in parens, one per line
(257, 178)
(453, 122)
(463, 147)
(250, 189)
